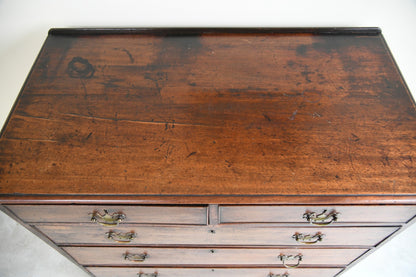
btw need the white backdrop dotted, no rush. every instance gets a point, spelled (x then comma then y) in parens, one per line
(24, 26)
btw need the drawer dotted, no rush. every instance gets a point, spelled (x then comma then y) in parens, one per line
(206, 235)
(212, 256)
(212, 272)
(131, 214)
(325, 214)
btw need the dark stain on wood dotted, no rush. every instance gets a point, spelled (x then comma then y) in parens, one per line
(301, 49)
(158, 78)
(57, 49)
(79, 67)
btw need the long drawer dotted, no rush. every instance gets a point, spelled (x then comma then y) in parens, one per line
(206, 235)
(212, 272)
(211, 256)
(299, 214)
(121, 214)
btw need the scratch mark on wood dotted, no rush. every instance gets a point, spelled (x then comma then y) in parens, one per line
(160, 145)
(315, 114)
(385, 160)
(297, 94)
(29, 139)
(85, 89)
(312, 96)
(407, 162)
(306, 73)
(186, 146)
(157, 78)
(351, 160)
(235, 171)
(127, 52)
(354, 137)
(32, 116)
(191, 154)
(267, 117)
(293, 115)
(269, 180)
(138, 121)
(86, 97)
(169, 125)
(111, 83)
(169, 151)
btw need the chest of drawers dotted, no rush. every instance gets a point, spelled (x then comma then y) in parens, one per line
(212, 152)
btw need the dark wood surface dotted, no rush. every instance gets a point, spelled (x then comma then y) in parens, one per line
(213, 199)
(224, 113)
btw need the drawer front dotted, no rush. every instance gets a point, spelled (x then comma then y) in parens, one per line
(211, 272)
(206, 235)
(211, 256)
(132, 214)
(297, 214)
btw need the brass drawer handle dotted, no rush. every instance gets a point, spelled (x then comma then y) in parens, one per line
(135, 257)
(321, 219)
(107, 219)
(307, 238)
(147, 274)
(285, 258)
(278, 275)
(121, 237)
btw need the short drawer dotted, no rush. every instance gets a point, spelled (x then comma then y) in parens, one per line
(130, 214)
(212, 272)
(206, 235)
(324, 214)
(118, 256)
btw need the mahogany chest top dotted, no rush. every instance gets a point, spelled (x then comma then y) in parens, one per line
(212, 152)
(214, 114)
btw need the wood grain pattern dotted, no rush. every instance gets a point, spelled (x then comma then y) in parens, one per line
(212, 272)
(215, 256)
(134, 214)
(237, 235)
(230, 114)
(346, 214)
(212, 199)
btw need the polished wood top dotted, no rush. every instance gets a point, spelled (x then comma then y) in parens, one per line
(214, 112)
